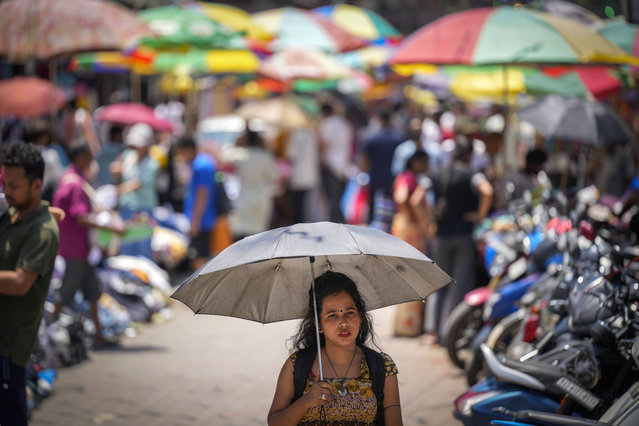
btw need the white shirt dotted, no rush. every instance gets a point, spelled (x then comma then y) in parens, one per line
(303, 153)
(337, 135)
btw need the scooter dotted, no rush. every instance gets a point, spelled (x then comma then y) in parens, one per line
(584, 375)
(623, 412)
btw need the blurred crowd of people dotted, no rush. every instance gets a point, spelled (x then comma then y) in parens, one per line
(426, 175)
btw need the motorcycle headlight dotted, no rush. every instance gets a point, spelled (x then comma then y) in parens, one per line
(465, 403)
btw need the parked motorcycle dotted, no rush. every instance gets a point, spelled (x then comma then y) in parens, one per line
(578, 376)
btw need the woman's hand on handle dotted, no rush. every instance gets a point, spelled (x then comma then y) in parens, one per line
(319, 395)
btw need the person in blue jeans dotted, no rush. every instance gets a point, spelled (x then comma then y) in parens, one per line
(199, 200)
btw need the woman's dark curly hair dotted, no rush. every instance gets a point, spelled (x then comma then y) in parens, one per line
(327, 284)
(25, 155)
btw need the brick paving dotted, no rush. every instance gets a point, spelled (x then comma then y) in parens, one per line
(196, 370)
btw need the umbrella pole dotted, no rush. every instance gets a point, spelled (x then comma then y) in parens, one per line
(317, 336)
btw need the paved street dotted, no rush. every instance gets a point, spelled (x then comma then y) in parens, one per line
(196, 370)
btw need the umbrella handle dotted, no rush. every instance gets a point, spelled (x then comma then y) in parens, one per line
(317, 336)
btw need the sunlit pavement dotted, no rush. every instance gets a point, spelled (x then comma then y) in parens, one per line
(196, 370)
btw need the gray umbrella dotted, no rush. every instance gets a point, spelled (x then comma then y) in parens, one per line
(577, 119)
(266, 277)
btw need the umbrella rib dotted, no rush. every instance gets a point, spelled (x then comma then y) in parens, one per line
(270, 290)
(354, 240)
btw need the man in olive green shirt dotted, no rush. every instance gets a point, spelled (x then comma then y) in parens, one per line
(28, 247)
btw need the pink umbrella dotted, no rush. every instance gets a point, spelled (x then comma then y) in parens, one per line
(132, 113)
(28, 97)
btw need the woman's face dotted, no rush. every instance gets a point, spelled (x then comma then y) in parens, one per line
(340, 319)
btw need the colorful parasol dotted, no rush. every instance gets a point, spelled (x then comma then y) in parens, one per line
(43, 29)
(300, 28)
(232, 17)
(359, 21)
(154, 62)
(296, 63)
(367, 57)
(210, 61)
(507, 35)
(493, 83)
(28, 97)
(177, 27)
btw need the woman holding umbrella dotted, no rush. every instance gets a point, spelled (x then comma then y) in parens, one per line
(362, 387)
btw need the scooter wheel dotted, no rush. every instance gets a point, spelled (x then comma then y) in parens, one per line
(461, 327)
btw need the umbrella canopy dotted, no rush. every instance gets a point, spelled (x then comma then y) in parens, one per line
(493, 83)
(28, 97)
(621, 33)
(367, 57)
(43, 29)
(357, 82)
(577, 119)
(153, 62)
(506, 35)
(300, 28)
(281, 111)
(132, 113)
(359, 21)
(295, 63)
(266, 277)
(569, 10)
(181, 27)
(232, 17)
(210, 61)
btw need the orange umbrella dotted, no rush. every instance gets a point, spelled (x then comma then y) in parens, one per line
(28, 97)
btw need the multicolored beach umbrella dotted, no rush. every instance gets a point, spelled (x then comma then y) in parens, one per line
(368, 57)
(232, 17)
(496, 84)
(180, 28)
(300, 28)
(507, 35)
(156, 62)
(296, 63)
(359, 21)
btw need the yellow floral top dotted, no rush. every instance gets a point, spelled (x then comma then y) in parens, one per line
(357, 407)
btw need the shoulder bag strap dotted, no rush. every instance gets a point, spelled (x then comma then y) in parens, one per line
(302, 369)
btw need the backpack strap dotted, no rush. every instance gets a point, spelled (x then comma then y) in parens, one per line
(377, 368)
(302, 369)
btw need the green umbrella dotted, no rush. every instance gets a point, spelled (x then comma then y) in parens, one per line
(176, 27)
